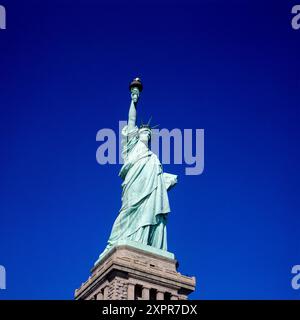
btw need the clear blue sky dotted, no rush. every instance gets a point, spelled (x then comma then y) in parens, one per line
(230, 67)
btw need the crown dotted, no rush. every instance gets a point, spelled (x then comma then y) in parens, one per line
(147, 125)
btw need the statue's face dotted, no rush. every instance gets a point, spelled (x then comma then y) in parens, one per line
(145, 135)
(135, 94)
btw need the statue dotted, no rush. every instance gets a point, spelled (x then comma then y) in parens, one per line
(145, 205)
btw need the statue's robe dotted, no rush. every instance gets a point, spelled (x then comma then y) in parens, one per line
(145, 203)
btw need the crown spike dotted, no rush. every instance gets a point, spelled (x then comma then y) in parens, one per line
(148, 124)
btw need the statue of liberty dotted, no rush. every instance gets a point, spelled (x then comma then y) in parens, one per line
(145, 204)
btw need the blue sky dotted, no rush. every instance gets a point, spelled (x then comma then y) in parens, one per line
(227, 67)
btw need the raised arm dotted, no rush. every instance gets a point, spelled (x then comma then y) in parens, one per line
(132, 109)
(131, 116)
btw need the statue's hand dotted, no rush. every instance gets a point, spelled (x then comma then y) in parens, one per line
(135, 95)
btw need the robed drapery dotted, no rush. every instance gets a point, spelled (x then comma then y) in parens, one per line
(145, 203)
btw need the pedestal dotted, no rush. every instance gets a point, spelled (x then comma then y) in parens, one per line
(130, 273)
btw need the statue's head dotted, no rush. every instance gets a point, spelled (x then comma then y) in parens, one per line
(145, 133)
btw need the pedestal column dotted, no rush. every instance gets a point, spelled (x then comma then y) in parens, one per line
(130, 291)
(145, 293)
(159, 295)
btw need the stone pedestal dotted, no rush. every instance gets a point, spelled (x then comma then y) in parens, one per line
(130, 273)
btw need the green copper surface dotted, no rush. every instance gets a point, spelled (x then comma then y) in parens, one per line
(145, 205)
